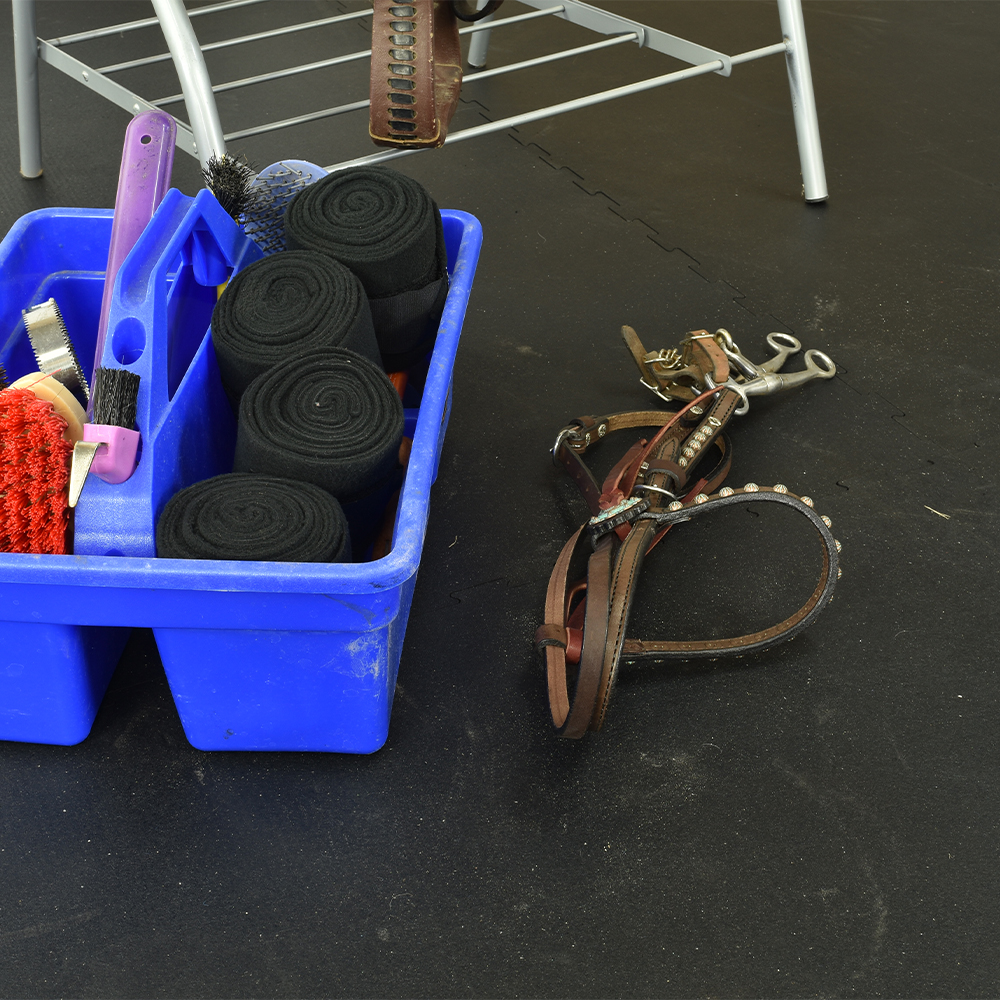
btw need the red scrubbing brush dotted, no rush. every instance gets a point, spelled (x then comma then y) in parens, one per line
(34, 473)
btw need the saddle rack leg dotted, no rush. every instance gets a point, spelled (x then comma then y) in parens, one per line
(29, 127)
(803, 100)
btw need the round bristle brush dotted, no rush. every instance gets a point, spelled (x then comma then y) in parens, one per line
(39, 421)
(50, 390)
(230, 179)
(257, 202)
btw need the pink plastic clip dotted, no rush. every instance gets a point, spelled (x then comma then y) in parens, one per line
(116, 462)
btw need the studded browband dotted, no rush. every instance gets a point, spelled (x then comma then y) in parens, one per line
(673, 477)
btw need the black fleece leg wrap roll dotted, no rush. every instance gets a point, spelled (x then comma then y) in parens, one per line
(284, 305)
(253, 518)
(331, 418)
(386, 228)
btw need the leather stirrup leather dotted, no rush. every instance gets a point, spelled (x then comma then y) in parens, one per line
(416, 73)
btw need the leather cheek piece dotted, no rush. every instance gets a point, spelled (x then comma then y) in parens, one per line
(590, 672)
(709, 356)
(550, 636)
(571, 714)
(589, 430)
(626, 573)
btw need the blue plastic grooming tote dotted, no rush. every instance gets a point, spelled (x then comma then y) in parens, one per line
(259, 656)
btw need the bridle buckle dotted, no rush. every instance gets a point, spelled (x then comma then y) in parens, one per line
(626, 511)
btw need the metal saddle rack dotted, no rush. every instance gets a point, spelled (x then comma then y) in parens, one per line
(203, 135)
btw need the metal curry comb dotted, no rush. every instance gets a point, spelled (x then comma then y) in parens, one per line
(53, 349)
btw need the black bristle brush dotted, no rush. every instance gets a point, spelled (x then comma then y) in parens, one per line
(229, 179)
(115, 400)
(116, 397)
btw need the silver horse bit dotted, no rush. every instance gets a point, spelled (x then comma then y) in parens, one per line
(764, 379)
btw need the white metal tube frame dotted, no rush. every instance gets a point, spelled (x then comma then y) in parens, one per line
(247, 81)
(803, 100)
(480, 43)
(581, 102)
(29, 125)
(193, 74)
(204, 136)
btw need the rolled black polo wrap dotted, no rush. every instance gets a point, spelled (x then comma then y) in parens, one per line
(287, 304)
(387, 229)
(248, 517)
(331, 418)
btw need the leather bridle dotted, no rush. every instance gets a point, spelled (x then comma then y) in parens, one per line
(674, 476)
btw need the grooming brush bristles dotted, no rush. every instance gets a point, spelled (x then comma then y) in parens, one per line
(272, 190)
(34, 472)
(116, 394)
(229, 179)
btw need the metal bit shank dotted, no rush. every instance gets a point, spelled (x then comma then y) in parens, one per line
(784, 345)
(818, 365)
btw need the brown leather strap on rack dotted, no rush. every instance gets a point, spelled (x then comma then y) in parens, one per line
(416, 72)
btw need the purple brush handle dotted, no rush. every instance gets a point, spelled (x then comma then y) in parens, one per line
(147, 160)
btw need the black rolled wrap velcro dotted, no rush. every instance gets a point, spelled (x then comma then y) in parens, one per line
(288, 304)
(331, 418)
(387, 229)
(255, 518)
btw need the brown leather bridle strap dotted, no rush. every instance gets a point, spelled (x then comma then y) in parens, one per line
(608, 603)
(626, 573)
(595, 637)
(708, 483)
(695, 441)
(629, 564)
(572, 716)
(588, 430)
(656, 484)
(551, 637)
(610, 492)
(616, 563)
